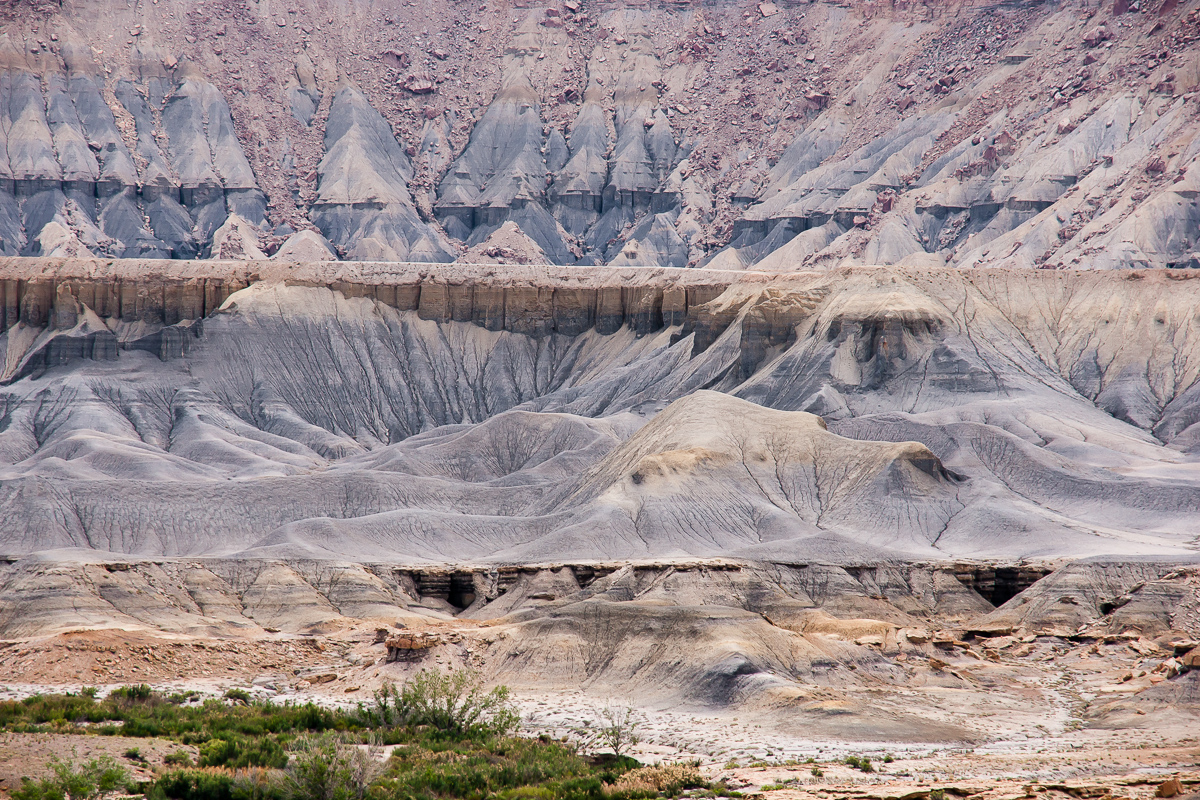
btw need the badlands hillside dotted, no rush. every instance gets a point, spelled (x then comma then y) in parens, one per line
(694, 488)
(522, 415)
(771, 135)
(832, 364)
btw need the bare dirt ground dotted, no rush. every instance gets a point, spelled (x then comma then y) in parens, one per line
(1045, 718)
(29, 755)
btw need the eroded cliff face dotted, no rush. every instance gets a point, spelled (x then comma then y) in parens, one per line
(402, 413)
(244, 394)
(94, 311)
(666, 134)
(898, 651)
(723, 490)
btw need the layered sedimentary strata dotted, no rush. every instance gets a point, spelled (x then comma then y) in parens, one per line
(363, 204)
(717, 489)
(871, 651)
(904, 427)
(140, 303)
(662, 134)
(146, 165)
(407, 413)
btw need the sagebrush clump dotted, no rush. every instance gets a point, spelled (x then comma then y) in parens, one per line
(668, 779)
(455, 704)
(89, 780)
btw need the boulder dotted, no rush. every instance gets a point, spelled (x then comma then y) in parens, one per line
(411, 645)
(1191, 659)
(1169, 788)
(1096, 35)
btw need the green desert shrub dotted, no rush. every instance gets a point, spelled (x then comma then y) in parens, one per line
(219, 784)
(454, 704)
(89, 780)
(133, 711)
(454, 739)
(436, 767)
(139, 693)
(193, 784)
(243, 751)
(326, 768)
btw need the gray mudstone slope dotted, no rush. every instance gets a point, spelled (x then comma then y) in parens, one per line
(480, 416)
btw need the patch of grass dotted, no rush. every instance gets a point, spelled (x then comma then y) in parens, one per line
(668, 780)
(718, 789)
(784, 784)
(243, 751)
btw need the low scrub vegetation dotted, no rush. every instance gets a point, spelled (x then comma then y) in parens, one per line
(454, 704)
(668, 780)
(449, 737)
(860, 763)
(90, 780)
(137, 711)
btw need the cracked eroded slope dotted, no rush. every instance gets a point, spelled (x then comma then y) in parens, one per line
(516, 416)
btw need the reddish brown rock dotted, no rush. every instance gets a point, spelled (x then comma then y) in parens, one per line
(411, 646)
(1170, 788)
